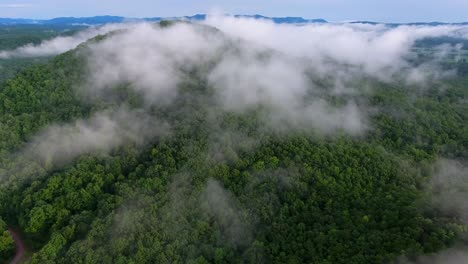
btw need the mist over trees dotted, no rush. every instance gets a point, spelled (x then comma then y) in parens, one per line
(237, 141)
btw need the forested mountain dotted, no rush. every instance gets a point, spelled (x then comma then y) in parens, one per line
(122, 151)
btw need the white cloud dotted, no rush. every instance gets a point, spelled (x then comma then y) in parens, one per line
(253, 63)
(378, 49)
(154, 61)
(103, 132)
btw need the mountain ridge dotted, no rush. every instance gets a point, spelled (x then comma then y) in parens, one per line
(105, 19)
(434, 23)
(99, 20)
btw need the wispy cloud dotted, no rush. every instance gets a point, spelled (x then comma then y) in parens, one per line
(24, 5)
(59, 44)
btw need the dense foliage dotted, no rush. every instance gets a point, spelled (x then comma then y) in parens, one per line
(221, 188)
(7, 245)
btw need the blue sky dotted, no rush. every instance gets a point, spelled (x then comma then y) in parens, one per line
(333, 10)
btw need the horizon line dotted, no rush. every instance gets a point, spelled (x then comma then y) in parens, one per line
(256, 14)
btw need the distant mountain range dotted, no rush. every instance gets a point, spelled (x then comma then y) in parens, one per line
(99, 20)
(410, 24)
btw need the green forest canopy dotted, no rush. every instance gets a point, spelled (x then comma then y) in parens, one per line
(221, 188)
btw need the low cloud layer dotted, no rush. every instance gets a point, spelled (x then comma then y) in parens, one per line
(375, 48)
(244, 75)
(218, 204)
(450, 256)
(59, 44)
(450, 188)
(450, 196)
(150, 59)
(59, 144)
(252, 63)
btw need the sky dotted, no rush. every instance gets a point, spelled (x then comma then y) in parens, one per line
(332, 10)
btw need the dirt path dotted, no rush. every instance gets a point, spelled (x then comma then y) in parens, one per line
(20, 247)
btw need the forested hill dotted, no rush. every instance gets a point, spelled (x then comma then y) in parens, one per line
(104, 166)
